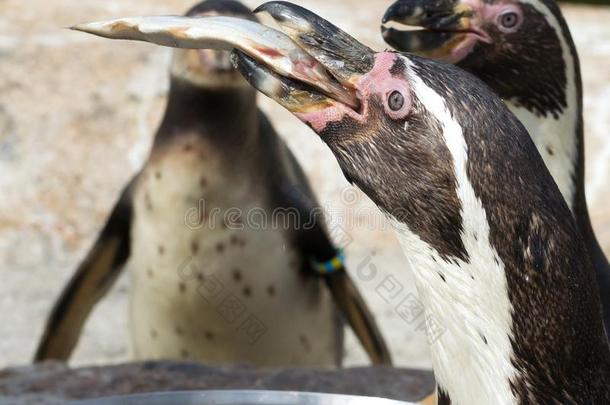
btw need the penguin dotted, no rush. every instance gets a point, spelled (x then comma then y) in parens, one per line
(231, 259)
(524, 51)
(499, 262)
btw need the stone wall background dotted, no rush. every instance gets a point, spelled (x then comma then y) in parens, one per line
(77, 115)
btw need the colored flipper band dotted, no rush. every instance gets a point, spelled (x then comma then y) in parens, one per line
(331, 266)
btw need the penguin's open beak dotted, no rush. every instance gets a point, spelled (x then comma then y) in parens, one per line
(440, 29)
(345, 59)
(308, 66)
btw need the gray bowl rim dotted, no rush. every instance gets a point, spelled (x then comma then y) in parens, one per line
(243, 397)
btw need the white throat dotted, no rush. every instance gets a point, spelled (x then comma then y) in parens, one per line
(472, 357)
(556, 139)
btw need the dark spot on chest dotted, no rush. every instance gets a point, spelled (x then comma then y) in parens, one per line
(550, 150)
(239, 242)
(203, 183)
(158, 175)
(247, 291)
(237, 275)
(178, 330)
(184, 354)
(209, 335)
(305, 343)
(220, 247)
(271, 290)
(194, 247)
(182, 288)
(148, 202)
(154, 334)
(161, 250)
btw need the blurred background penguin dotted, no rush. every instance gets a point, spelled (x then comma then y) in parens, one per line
(217, 288)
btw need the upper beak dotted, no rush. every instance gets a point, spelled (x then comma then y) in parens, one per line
(310, 65)
(444, 25)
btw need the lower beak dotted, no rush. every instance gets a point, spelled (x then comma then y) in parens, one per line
(310, 65)
(443, 25)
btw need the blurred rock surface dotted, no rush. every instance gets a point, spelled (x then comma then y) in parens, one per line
(54, 384)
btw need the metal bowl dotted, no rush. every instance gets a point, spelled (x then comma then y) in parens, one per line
(240, 398)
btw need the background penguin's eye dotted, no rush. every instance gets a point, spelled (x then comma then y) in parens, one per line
(509, 20)
(396, 101)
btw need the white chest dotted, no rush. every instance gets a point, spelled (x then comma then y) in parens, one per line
(556, 141)
(213, 280)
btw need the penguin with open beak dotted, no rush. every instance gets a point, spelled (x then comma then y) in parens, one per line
(524, 51)
(230, 256)
(498, 260)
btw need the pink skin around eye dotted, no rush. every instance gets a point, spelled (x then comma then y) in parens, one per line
(485, 14)
(378, 81)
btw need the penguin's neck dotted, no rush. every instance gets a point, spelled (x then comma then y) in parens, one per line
(224, 116)
(503, 322)
(558, 135)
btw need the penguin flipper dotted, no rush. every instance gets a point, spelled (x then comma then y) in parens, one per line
(355, 310)
(92, 280)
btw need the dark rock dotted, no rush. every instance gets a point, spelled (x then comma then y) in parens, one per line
(55, 383)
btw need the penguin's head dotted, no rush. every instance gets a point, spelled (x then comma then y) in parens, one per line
(393, 141)
(518, 47)
(206, 67)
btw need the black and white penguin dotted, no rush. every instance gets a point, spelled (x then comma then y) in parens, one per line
(524, 51)
(499, 262)
(230, 256)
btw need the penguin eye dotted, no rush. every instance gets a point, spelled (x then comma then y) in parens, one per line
(509, 20)
(396, 101)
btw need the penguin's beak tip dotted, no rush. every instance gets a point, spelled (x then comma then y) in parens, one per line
(101, 28)
(387, 17)
(87, 28)
(77, 27)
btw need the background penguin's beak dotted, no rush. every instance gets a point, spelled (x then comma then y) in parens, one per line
(443, 25)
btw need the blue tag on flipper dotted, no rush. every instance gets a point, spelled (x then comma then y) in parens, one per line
(331, 266)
